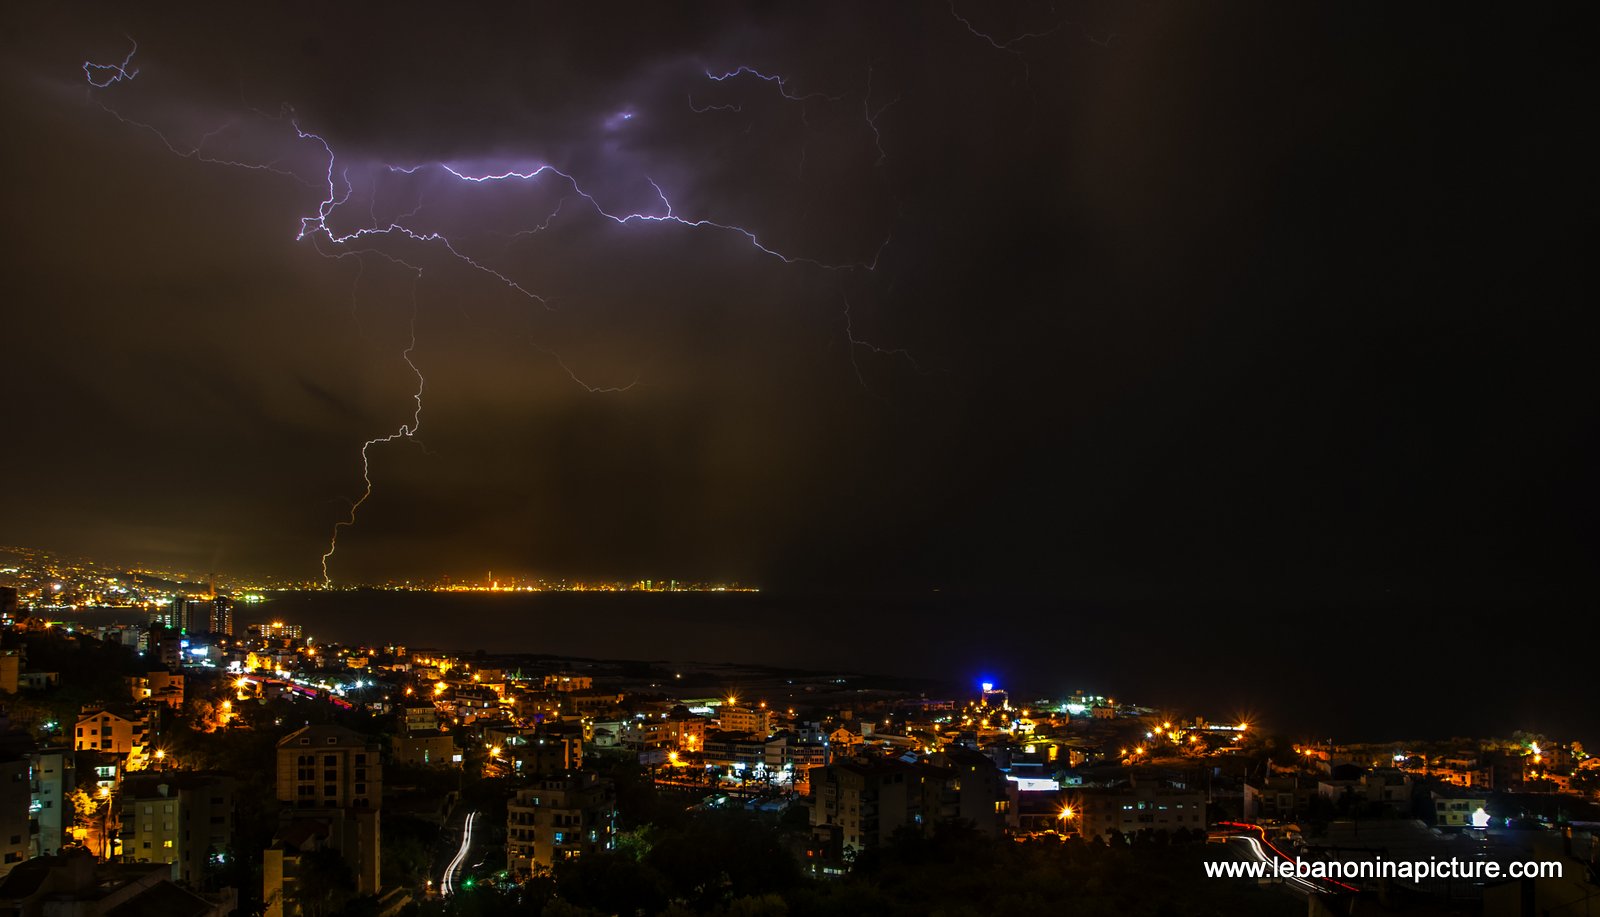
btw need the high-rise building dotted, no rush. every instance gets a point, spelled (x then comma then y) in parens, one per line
(1130, 810)
(10, 671)
(861, 802)
(276, 630)
(16, 795)
(15, 800)
(329, 767)
(864, 802)
(559, 818)
(183, 819)
(330, 780)
(164, 645)
(221, 617)
(174, 615)
(196, 614)
(756, 721)
(53, 782)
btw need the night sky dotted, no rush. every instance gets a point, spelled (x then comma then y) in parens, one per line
(1171, 306)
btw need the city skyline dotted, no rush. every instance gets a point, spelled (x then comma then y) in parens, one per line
(798, 460)
(1218, 326)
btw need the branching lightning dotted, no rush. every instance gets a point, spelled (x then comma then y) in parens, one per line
(1010, 47)
(339, 241)
(782, 85)
(666, 214)
(197, 151)
(116, 73)
(873, 116)
(774, 79)
(542, 226)
(856, 343)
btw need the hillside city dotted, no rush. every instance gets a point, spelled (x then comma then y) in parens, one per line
(191, 763)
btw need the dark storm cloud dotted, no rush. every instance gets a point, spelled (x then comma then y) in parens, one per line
(1196, 303)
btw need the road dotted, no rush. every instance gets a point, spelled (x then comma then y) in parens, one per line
(1251, 849)
(452, 872)
(1252, 844)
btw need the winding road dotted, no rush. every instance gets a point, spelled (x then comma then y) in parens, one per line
(452, 872)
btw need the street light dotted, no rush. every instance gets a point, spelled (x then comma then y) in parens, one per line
(105, 819)
(1067, 814)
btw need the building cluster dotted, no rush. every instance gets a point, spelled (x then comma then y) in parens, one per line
(1447, 785)
(96, 806)
(78, 826)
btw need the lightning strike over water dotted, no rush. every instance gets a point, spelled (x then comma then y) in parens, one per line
(337, 190)
(406, 431)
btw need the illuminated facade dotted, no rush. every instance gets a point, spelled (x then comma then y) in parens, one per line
(559, 818)
(15, 800)
(102, 730)
(1130, 810)
(184, 820)
(333, 776)
(53, 783)
(859, 803)
(756, 721)
(1453, 808)
(220, 620)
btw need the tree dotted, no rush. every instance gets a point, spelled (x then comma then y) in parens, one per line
(406, 850)
(612, 883)
(204, 714)
(325, 883)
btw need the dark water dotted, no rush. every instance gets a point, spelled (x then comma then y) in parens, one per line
(1351, 674)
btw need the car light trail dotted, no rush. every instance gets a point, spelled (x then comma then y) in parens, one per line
(447, 886)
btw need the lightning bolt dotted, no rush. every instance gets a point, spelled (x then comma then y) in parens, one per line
(665, 214)
(1010, 47)
(782, 85)
(197, 150)
(774, 79)
(115, 73)
(856, 343)
(542, 226)
(703, 109)
(336, 190)
(406, 431)
(873, 116)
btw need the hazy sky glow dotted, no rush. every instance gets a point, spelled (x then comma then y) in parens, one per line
(1156, 302)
